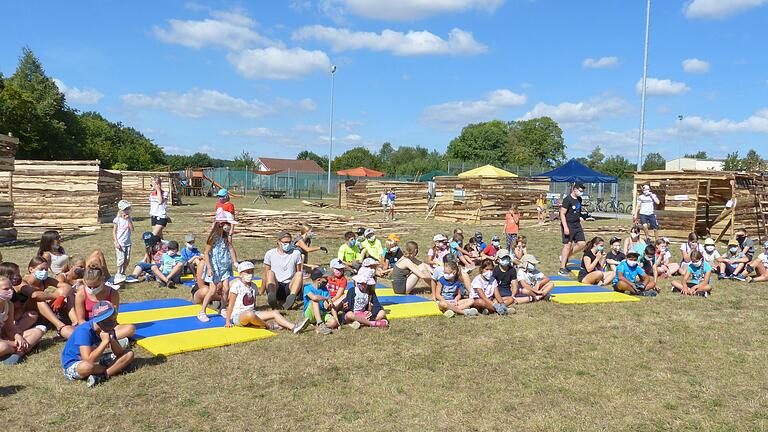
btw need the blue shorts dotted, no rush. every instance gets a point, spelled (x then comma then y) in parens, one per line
(649, 220)
(105, 360)
(146, 267)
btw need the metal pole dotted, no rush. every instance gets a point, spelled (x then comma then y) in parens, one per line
(330, 141)
(679, 146)
(645, 78)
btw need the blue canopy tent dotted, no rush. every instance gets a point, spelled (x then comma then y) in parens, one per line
(575, 172)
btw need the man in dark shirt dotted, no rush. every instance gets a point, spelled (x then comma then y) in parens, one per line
(570, 226)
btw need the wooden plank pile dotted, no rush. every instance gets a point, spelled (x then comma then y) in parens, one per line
(259, 223)
(486, 200)
(64, 194)
(365, 195)
(8, 147)
(138, 184)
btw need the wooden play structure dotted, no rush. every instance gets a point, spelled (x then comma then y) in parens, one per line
(138, 184)
(8, 147)
(710, 203)
(365, 195)
(474, 200)
(197, 183)
(64, 194)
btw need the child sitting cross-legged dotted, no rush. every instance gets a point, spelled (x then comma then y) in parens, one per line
(337, 283)
(242, 302)
(695, 279)
(317, 302)
(733, 263)
(631, 279)
(362, 307)
(531, 281)
(171, 267)
(448, 293)
(485, 291)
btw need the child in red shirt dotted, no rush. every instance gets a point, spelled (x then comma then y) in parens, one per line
(337, 284)
(223, 202)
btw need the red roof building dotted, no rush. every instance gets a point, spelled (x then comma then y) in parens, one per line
(289, 165)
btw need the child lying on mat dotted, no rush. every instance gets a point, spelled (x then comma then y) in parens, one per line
(631, 279)
(448, 293)
(84, 356)
(242, 302)
(362, 307)
(695, 279)
(531, 282)
(485, 291)
(317, 302)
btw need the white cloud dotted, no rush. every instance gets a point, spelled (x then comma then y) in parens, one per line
(581, 113)
(279, 63)
(85, 96)
(404, 44)
(307, 104)
(259, 132)
(197, 103)
(407, 10)
(756, 123)
(717, 9)
(601, 63)
(316, 128)
(353, 138)
(229, 29)
(461, 112)
(662, 87)
(695, 66)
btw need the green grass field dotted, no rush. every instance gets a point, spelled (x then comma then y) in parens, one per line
(665, 363)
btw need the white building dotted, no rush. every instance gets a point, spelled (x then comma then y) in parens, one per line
(694, 164)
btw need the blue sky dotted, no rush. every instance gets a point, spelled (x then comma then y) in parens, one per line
(227, 76)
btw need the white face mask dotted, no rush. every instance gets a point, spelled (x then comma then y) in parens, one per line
(448, 276)
(246, 277)
(190, 246)
(94, 291)
(698, 263)
(488, 274)
(632, 263)
(579, 193)
(634, 235)
(709, 249)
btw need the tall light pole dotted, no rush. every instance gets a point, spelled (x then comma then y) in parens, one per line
(680, 145)
(330, 137)
(645, 78)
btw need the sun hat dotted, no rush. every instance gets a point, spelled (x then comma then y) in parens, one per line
(393, 237)
(366, 279)
(102, 310)
(337, 264)
(528, 259)
(370, 262)
(709, 242)
(244, 266)
(502, 253)
(733, 242)
(318, 273)
(123, 204)
(368, 232)
(439, 237)
(189, 238)
(225, 216)
(222, 193)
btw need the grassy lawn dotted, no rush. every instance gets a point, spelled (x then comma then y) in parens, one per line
(665, 363)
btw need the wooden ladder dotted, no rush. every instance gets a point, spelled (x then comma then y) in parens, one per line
(762, 198)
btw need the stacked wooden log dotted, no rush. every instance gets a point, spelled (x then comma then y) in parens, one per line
(259, 223)
(137, 186)
(8, 147)
(365, 195)
(486, 200)
(64, 194)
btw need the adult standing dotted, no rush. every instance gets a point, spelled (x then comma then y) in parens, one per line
(570, 226)
(645, 211)
(283, 272)
(158, 207)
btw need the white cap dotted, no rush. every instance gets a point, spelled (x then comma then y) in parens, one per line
(439, 237)
(369, 262)
(337, 264)
(646, 187)
(368, 232)
(366, 279)
(123, 204)
(244, 266)
(502, 253)
(365, 272)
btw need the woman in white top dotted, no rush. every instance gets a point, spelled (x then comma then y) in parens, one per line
(158, 207)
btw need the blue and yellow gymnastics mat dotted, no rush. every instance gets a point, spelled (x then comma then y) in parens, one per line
(568, 291)
(170, 326)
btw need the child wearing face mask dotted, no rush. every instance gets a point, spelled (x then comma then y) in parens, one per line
(371, 246)
(615, 255)
(15, 342)
(22, 294)
(53, 252)
(485, 291)
(317, 302)
(505, 276)
(448, 294)
(242, 303)
(122, 227)
(631, 278)
(733, 263)
(695, 279)
(759, 264)
(191, 255)
(664, 266)
(531, 282)
(92, 290)
(648, 262)
(219, 257)
(594, 268)
(491, 249)
(361, 306)
(171, 267)
(633, 242)
(47, 304)
(688, 247)
(349, 251)
(710, 253)
(337, 283)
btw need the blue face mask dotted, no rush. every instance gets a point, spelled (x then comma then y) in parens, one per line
(505, 262)
(600, 248)
(352, 243)
(41, 275)
(286, 247)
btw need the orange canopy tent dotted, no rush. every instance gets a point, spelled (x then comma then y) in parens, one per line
(360, 172)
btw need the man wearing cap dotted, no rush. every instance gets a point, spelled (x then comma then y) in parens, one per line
(371, 246)
(318, 302)
(570, 226)
(645, 211)
(282, 272)
(84, 357)
(223, 202)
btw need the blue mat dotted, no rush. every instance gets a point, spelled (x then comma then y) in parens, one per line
(153, 304)
(176, 325)
(560, 278)
(578, 289)
(401, 299)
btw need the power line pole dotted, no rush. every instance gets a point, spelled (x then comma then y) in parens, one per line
(645, 78)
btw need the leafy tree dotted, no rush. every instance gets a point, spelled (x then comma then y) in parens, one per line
(698, 155)
(753, 162)
(617, 166)
(595, 159)
(244, 161)
(537, 141)
(487, 142)
(308, 155)
(406, 160)
(732, 162)
(356, 157)
(197, 160)
(116, 145)
(654, 161)
(385, 152)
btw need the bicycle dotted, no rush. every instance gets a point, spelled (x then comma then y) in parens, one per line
(613, 206)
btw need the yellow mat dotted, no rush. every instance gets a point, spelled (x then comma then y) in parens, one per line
(160, 314)
(568, 283)
(385, 292)
(177, 343)
(599, 297)
(412, 310)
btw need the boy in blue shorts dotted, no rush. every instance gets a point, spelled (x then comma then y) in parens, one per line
(631, 279)
(84, 357)
(317, 302)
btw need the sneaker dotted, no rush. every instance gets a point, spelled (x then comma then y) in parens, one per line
(500, 309)
(42, 328)
(119, 278)
(124, 343)
(11, 360)
(223, 312)
(563, 272)
(274, 326)
(381, 323)
(676, 290)
(486, 312)
(749, 279)
(131, 279)
(740, 278)
(647, 293)
(721, 276)
(289, 301)
(203, 317)
(449, 313)
(323, 330)
(702, 294)
(95, 379)
(471, 312)
(171, 284)
(301, 326)
(355, 325)
(161, 284)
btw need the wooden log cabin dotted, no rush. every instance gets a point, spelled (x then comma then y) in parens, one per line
(474, 200)
(709, 203)
(64, 194)
(8, 147)
(365, 195)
